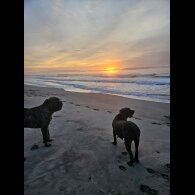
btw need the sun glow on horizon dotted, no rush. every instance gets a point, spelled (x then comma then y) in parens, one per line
(111, 70)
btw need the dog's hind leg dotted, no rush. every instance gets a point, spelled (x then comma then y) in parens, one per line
(136, 159)
(128, 147)
(44, 131)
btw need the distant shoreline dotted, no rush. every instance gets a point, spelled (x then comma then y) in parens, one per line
(87, 92)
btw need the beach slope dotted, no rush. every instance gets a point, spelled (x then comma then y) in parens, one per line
(82, 159)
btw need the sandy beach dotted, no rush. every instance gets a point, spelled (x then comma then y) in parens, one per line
(82, 159)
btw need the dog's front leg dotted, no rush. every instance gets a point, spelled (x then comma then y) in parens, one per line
(44, 131)
(48, 136)
(114, 136)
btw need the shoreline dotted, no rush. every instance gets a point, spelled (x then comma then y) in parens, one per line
(124, 96)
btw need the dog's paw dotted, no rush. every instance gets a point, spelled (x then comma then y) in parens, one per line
(47, 145)
(122, 168)
(50, 140)
(136, 160)
(114, 143)
(130, 163)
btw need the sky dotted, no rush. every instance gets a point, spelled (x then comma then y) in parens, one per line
(95, 35)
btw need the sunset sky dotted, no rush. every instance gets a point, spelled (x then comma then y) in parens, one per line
(92, 35)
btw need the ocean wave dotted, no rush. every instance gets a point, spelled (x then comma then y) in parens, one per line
(154, 88)
(140, 82)
(101, 90)
(101, 75)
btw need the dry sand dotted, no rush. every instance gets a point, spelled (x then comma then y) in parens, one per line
(82, 159)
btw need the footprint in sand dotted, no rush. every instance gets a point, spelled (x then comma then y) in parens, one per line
(149, 191)
(168, 165)
(118, 160)
(168, 124)
(156, 123)
(77, 105)
(89, 178)
(95, 109)
(87, 107)
(120, 157)
(168, 117)
(69, 120)
(124, 153)
(150, 170)
(34, 147)
(137, 118)
(165, 176)
(121, 167)
(71, 102)
(79, 129)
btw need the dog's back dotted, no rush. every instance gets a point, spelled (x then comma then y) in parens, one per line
(118, 117)
(131, 130)
(36, 117)
(124, 128)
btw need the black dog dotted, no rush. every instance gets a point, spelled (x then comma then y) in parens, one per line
(128, 131)
(40, 117)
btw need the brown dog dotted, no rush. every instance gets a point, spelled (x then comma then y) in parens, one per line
(128, 131)
(40, 117)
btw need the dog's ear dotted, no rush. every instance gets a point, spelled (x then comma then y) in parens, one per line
(121, 110)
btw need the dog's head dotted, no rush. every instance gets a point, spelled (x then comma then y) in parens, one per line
(127, 112)
(53, 104)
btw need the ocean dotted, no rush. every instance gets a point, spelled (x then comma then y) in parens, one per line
(151, 86)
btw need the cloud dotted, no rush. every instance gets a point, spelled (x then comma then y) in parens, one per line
(90, 32)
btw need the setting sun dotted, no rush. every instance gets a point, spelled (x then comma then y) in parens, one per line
(110, 70)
